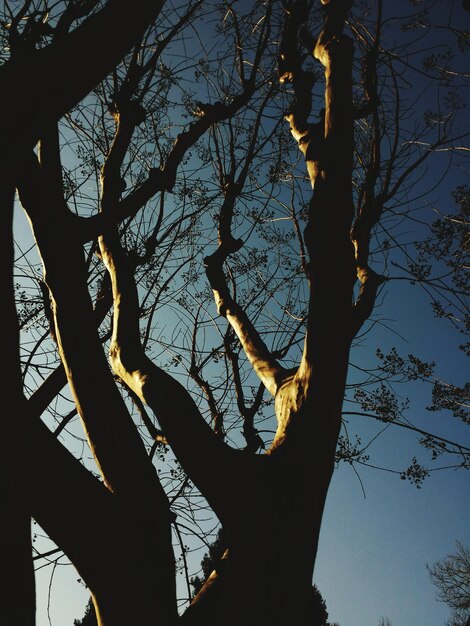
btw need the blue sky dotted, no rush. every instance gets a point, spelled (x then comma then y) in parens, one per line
(374, 547)
(373, 551)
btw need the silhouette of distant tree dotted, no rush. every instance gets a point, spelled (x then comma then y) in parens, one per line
(319, 612)
(89, 619)
(211, 560)
(451, 575)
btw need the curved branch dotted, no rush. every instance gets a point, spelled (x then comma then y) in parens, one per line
(317, 387)
(73, 507)
(270, 372)
(87, 371)
(194, 443)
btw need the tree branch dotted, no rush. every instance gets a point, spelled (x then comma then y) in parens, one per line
(270, 372)
(87, 371)
(265, 366)
(193, 441)
(56, 77)
(49, 483)
(317, 387)
(329, 155)
(195, 373)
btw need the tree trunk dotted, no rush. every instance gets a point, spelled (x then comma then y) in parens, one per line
(272, 531)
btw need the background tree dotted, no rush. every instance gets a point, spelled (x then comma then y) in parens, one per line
(212, 560)
(451, 576)
(158, 182)
(89, 619)
(319, 610)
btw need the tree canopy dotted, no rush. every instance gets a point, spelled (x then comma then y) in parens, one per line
(222, 201)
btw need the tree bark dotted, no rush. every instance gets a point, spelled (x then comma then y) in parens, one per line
(279, 509)
(140, 537)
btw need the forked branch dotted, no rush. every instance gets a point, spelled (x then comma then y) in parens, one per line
(264, 364)
(195, 444)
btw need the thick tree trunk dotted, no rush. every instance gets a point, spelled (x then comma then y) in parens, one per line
(19, 603)
(270, 506)
(15, 520)
(127, 585)
(266, 577)
(272, 530)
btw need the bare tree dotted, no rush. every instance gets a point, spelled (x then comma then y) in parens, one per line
(451, 576)
(158, 177)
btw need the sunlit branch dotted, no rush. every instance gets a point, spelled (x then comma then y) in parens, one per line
(192, 440)
(309, 137)
(266, 367)
(84, 349)
(328, 150)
